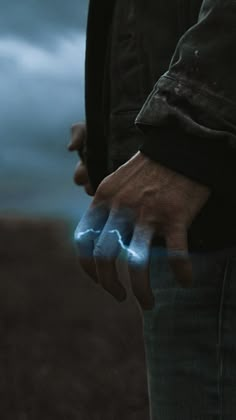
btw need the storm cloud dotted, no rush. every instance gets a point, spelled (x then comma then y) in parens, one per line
(42, 21)
(42, 51)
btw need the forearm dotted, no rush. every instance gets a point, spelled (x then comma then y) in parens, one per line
(207, 161)
(198, 96)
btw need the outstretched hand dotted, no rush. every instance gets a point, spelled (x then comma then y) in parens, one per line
(139, 201)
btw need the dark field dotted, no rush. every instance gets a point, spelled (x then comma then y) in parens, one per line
(68, 350)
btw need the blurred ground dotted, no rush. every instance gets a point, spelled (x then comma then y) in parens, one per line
(68, 350)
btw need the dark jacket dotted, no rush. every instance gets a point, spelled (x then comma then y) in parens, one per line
(160, 79)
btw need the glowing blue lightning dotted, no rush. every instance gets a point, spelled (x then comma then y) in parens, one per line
(79, 235)
(139, 258)
(123, 246)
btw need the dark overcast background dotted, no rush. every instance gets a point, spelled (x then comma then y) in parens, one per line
(42, 46)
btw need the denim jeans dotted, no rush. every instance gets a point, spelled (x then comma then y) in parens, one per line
(190, 340)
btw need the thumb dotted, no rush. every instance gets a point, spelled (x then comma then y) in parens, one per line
(178, 256)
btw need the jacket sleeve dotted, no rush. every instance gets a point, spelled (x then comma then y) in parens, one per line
(189, 119)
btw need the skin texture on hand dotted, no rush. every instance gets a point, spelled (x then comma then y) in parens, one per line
(139, 201)
(78, 138)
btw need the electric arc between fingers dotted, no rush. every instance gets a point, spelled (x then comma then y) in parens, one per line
(113, 239)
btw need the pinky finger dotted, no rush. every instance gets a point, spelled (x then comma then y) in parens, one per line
(179, 258)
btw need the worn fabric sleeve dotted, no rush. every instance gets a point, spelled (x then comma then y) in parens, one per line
(189, 119)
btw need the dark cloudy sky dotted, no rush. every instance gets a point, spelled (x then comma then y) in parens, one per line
(42, 46)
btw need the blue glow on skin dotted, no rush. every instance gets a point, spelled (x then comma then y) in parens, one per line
(162, 252)
(123, 246)
(79, 235)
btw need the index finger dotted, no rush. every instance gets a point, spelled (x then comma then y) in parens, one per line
(86, 233)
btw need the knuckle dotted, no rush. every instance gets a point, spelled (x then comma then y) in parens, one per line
(102, 192)
(81, 239)
(80, 176)
(121, 202)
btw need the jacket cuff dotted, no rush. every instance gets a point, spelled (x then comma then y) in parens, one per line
(207, 161)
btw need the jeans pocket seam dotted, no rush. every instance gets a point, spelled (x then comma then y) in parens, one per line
(219, 346)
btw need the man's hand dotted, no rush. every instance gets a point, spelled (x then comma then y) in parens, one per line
(78, 138)
(140, 200)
